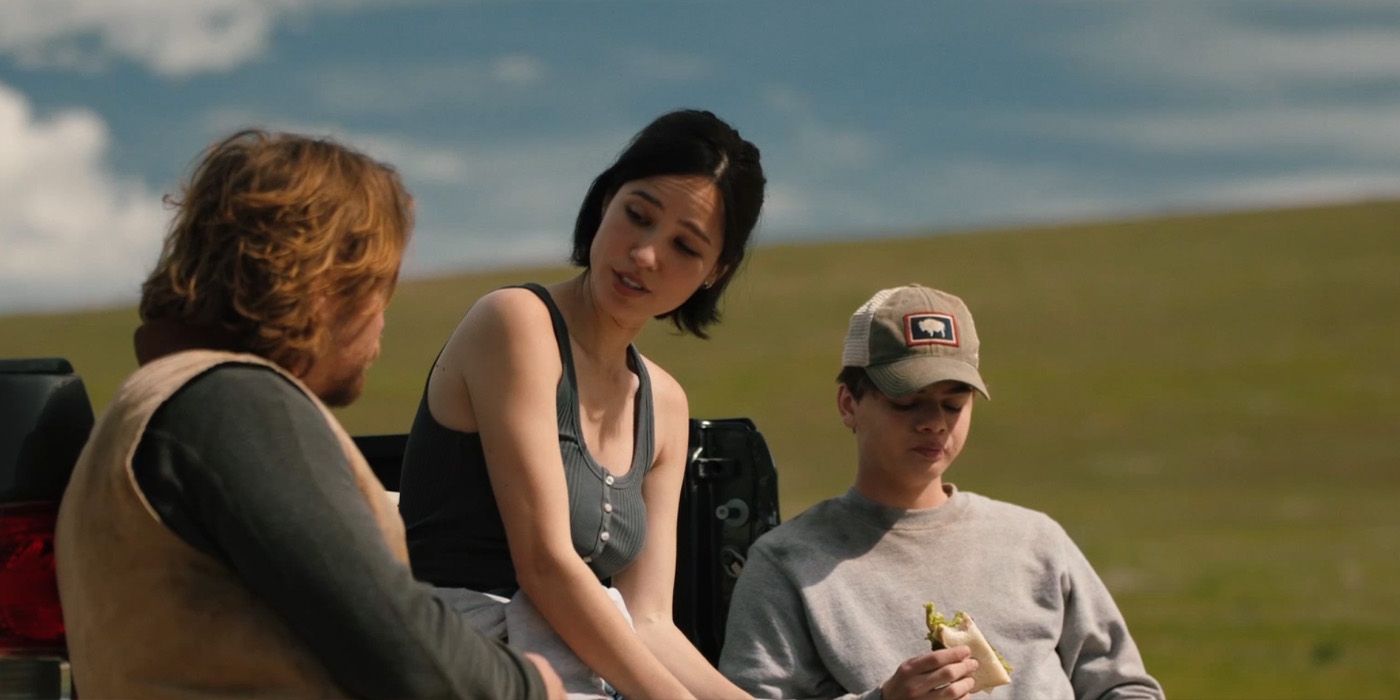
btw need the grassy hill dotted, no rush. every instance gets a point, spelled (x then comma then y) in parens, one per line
(1209, 404)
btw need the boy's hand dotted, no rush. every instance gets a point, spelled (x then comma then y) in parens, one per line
(945, 674)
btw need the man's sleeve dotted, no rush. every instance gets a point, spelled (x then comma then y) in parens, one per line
(1098, 654)
(768, 646)
(242, 465)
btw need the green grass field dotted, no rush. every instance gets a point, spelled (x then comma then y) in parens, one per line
(1209, 404)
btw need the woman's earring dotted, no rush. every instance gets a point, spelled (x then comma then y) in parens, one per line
(708, 284)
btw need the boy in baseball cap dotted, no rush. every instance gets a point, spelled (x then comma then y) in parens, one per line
(831, 603)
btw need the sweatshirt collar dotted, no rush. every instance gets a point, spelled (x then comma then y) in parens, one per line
(891, 518)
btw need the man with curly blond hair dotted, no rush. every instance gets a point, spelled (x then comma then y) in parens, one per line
(221, 535)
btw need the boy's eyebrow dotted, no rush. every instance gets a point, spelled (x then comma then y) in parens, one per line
(685, 222)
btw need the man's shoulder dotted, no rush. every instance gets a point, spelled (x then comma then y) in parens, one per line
(241, 397)
(239, 386)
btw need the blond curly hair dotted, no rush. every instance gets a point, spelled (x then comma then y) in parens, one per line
(271, 229)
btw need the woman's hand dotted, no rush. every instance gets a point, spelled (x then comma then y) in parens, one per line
(647, 585)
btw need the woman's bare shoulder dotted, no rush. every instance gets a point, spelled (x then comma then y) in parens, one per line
(667, 394)
(508, 305)
(510, 319)
(502, 313)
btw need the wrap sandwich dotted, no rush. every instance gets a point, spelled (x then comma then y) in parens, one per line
(992, 669)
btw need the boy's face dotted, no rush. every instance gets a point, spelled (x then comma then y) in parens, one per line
(912, 438)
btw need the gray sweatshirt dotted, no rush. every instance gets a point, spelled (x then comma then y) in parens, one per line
(831, 602)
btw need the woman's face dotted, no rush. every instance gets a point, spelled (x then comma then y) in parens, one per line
(659, 240)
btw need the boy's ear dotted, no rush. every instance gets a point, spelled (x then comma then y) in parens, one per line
(846, 405)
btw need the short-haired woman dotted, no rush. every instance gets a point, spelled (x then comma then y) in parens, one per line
(548, 454)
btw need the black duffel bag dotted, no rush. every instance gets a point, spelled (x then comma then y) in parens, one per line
(730, 497)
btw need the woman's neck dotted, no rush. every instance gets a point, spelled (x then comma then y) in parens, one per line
(603, 338)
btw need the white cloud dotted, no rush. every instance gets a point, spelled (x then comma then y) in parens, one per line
(994, 193)
(1304, 109)
(513, 202)
(419, 161)
(72, 231)
(170, 38)
(1364, 132)
(517, 69)
(480, 203)
(787, 208)
(952, 193)
(822, 147)
(1202, 45)
(399, 89)
(988, 191)
(984, 192)
(666, 66)
(1298, 188)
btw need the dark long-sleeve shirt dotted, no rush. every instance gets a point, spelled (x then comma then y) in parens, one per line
(242, 466)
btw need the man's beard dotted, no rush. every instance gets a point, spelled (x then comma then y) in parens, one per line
(344, 390)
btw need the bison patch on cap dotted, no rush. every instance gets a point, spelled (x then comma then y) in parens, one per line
(930, 329)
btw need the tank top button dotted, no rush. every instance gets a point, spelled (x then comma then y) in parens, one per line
(608, 480)
(605, 536)
(607, 507)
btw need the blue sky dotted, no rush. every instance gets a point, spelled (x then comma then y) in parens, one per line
(873, 117)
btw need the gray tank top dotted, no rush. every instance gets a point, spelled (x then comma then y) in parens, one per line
(455, 534)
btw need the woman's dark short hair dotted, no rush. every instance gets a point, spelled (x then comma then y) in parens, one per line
(686, 142)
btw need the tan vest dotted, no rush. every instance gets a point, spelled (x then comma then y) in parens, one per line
(150, 616)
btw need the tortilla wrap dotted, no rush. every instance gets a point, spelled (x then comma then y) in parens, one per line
(990, 673)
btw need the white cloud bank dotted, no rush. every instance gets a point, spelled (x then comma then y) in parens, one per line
(1200, 45)
(177, 38)
(1312, 104)
(72, 231)
(440, 84)
(1363, 133)
(481, 203)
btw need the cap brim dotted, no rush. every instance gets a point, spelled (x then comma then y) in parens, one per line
(914, 373)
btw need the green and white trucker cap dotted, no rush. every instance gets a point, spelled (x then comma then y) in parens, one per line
(909, 337)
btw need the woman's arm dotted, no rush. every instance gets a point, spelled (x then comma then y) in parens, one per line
(648, 583)
(511, 375)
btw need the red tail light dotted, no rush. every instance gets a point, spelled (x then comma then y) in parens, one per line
(30, 617)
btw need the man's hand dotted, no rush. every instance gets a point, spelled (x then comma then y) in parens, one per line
(554, 688)
(944, 674)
